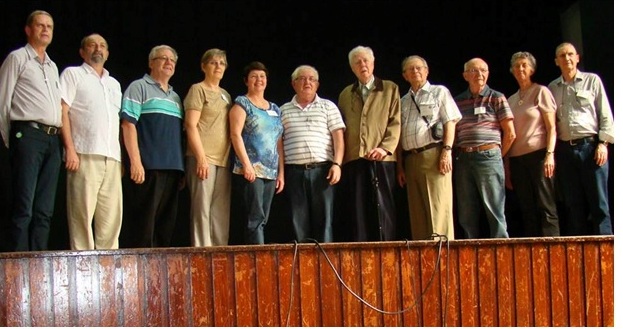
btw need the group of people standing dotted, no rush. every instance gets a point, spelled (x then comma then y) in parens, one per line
(128, 154)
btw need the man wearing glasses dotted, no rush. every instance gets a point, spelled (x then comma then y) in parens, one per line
(313, 147)
(151, 124)
(483, 137)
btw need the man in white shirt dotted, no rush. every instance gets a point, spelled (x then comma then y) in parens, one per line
(91, 100)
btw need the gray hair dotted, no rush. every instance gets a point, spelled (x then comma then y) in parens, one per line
(214, 52)
(32, 15)
(410, 58)
(360, 49)
(298, 70)
(154, 51)
(521, 55)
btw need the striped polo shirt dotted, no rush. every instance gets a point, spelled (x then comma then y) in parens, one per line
(482, 115)
(158, 116)
(307, 131)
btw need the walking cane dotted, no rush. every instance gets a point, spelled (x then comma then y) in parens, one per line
(375, 184)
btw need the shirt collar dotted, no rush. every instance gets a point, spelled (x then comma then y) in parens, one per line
(91, 70)
(33, 54)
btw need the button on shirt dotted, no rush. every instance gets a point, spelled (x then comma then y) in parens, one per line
(583, 108)
(29, 90)
(94, 105)
(433, 99)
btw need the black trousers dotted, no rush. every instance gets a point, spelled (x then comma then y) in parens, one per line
(367, 206)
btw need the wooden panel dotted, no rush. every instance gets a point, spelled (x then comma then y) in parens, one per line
(566, 281)
(430, 286)
(201, 290)
(132, 290)
(541, 290)
(86, 294)
(371, 287)
(351, 272)
(559, 293)
(245, 280)
(468, 267)
(16, 294)
(40, 291)
(267, 289)
(487, 287)
(178, 283)
(606, 251)
(506, 285)
(309, 288)
(390, 288)
(410, 286)
(452, 314)
(592, 274)
(223, 287)
(289, 284)
(330, 289)
(61, 290)
(575, 273)
(523, 285)
(108, 298)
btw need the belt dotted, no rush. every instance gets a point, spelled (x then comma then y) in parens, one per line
(423, 148)
(579, 141)
(50, 130)
(479, 148)
(310, 165)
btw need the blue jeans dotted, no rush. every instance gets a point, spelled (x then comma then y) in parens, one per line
(311, 202)
(256, 199)
(35, 165)
(584, 189)
(479, 183)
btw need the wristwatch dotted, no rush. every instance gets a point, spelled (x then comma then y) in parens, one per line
(447, 147)
(605, 143)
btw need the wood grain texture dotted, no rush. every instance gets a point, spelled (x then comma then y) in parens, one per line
(567, 281)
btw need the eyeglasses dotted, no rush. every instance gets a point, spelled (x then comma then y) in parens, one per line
(310, 79)
(483, 71)
(165, 58)
(415, 68)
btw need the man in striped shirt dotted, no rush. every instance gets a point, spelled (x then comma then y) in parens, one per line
(313, 148)
(483, 136)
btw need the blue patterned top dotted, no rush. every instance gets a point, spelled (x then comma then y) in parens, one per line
(262, 129)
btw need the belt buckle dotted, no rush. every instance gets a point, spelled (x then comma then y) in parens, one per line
(50, 130)
(309, 166)
(572, 143)
(469, 149)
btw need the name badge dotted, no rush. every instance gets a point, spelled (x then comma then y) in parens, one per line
(480, 110)
(224, 98)
(427, 110)
(583, 94)
(272, 113)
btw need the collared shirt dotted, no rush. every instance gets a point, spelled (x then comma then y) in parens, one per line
(94, 104)
(213, 124)
(482, 115)
(366, 88)
(29, 90)
(158, 116)
(307, 130)
(435, 105)
(583, 108)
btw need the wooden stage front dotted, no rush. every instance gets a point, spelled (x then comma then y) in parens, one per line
(509, 282)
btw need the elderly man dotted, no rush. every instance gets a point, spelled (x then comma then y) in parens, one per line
(151, 122)
(30, 121)
(428, 117)
(371, 111)
(585, 127)
(483, 136)
(313, 147)
(93, 154)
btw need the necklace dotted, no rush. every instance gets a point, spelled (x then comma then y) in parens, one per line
(522, 95)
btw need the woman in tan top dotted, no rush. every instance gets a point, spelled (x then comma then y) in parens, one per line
(207, 169)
